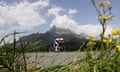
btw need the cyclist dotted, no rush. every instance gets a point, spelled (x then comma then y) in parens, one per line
(58, 42)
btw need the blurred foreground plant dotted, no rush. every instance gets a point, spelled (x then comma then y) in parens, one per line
(12, 57)
(103, 8)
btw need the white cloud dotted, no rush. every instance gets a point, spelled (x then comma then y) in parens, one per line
(2, 21)
(66, 21)
(22, 16)
(23, 13)
(40, 3)
(93, 29)
(55, 11)
(72, 11)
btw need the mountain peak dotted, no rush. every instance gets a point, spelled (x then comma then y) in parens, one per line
(58, 30)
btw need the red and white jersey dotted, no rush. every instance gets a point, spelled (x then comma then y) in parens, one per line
(60, 40)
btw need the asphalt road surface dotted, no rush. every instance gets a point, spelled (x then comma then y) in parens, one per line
(49, 59)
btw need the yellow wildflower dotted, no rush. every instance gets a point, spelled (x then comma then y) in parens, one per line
(118, 47)
(116, 31)
(110, 40)
(104, 40)
(110, 17)
(91, 37)
(107, 40)
(103, 3)
(102, 18)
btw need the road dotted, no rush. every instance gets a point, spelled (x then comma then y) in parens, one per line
(48, 59)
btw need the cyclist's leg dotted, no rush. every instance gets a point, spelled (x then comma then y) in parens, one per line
(56, 47)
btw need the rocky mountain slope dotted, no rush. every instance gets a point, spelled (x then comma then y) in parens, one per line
(72, 40)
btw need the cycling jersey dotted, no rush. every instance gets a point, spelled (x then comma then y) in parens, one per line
(58, 40)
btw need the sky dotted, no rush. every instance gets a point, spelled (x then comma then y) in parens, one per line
(33, 16)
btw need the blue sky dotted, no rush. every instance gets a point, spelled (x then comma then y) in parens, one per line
(40, 15)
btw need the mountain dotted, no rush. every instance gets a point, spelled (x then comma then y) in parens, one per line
(57, 30)
(72, 40)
